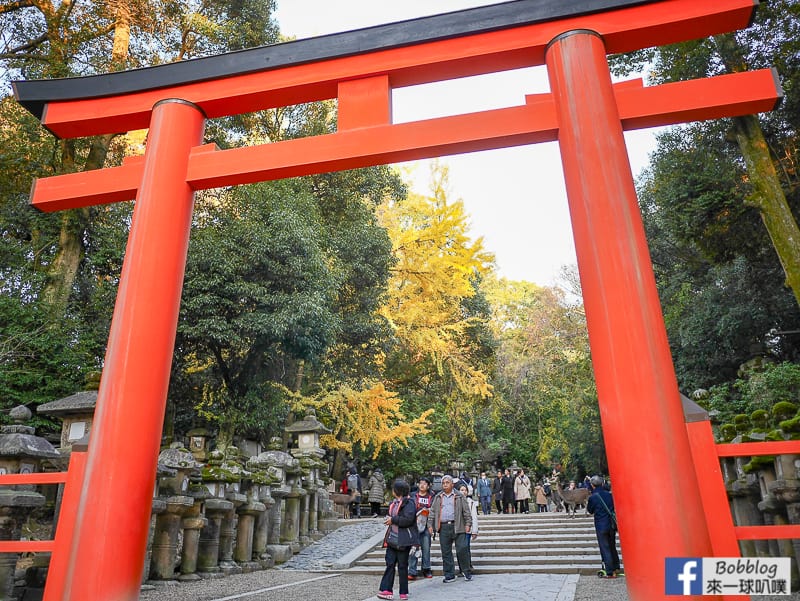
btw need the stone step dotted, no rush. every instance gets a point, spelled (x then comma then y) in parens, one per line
(516, 547)
(540, 537)
(486, 560)
(541, 533)
(482, 552)
(566, 568)
(551, 543)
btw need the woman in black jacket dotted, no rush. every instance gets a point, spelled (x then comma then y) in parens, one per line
(401, 535)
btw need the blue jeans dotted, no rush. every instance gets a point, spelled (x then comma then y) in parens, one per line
(448, 536)
(607, 539)
(486, 504)
(425, 545)
(396, 558)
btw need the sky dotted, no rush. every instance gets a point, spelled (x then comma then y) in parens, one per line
(515, 197)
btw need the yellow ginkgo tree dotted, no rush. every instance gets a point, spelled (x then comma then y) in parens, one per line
(368, 419)
(437, 266)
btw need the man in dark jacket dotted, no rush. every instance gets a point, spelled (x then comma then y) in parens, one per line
(508, 492)
(485, 493)
(451, 517)
(601, 505)
(497, 491)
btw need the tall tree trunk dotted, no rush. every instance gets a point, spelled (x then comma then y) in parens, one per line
(63, 271)
(768, 196)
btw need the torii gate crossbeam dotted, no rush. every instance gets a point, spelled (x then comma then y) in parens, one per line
(638, 394)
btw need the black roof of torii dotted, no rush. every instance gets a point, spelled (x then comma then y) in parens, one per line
(35, 94)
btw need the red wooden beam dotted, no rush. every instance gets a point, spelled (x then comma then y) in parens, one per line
(26, 546)
(100, 186)
(35, 478)
(652, 24)
(766, 532)
(714, 97)
(750, 449)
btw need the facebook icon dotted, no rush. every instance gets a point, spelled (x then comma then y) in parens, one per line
(683, 576)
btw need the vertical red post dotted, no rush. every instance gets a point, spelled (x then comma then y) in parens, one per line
(117, 490)
(65, 528)
(640, 407)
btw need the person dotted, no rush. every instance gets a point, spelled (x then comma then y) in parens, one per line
(376, 491)
(451, 518)
(473, 510)
(522, 491)
(354, 483)
(508, 492)
(541, 497)
(422, 500)
(601, 505)
(548, 492)
(485, 494)
(497, 491)
(466, 479)
(401, 535)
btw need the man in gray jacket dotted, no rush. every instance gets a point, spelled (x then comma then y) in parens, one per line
(450, 516)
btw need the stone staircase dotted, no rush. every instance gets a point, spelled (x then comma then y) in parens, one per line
(536, 543)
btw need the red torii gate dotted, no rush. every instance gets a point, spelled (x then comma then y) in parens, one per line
(640, 406)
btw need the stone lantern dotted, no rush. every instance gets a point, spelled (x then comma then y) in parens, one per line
(215, 478)
(76, 413)
(21, 452)
(169, 524)
(222, 476)
(278, 464)
(263, 478)
(306, 432)
(309, 454)
(198, 441)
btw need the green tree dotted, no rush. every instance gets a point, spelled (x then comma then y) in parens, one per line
(546, 400)
(61, 269)
(765, 149)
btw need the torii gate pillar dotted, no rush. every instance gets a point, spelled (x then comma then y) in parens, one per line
(126, 438)
(640, 406)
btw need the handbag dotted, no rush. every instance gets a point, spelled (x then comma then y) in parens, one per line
(392, 537)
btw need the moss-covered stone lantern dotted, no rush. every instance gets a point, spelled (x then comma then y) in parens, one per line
(76, 413)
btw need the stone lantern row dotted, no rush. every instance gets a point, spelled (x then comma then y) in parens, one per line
(232, 513)
(214, 512)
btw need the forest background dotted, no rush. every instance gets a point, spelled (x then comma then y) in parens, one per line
(350, 294)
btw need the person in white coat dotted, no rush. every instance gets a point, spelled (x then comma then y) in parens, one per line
(522, 491)
(473, 509)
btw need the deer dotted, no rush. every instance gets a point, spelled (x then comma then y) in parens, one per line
(572, 498)
(342, 502)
